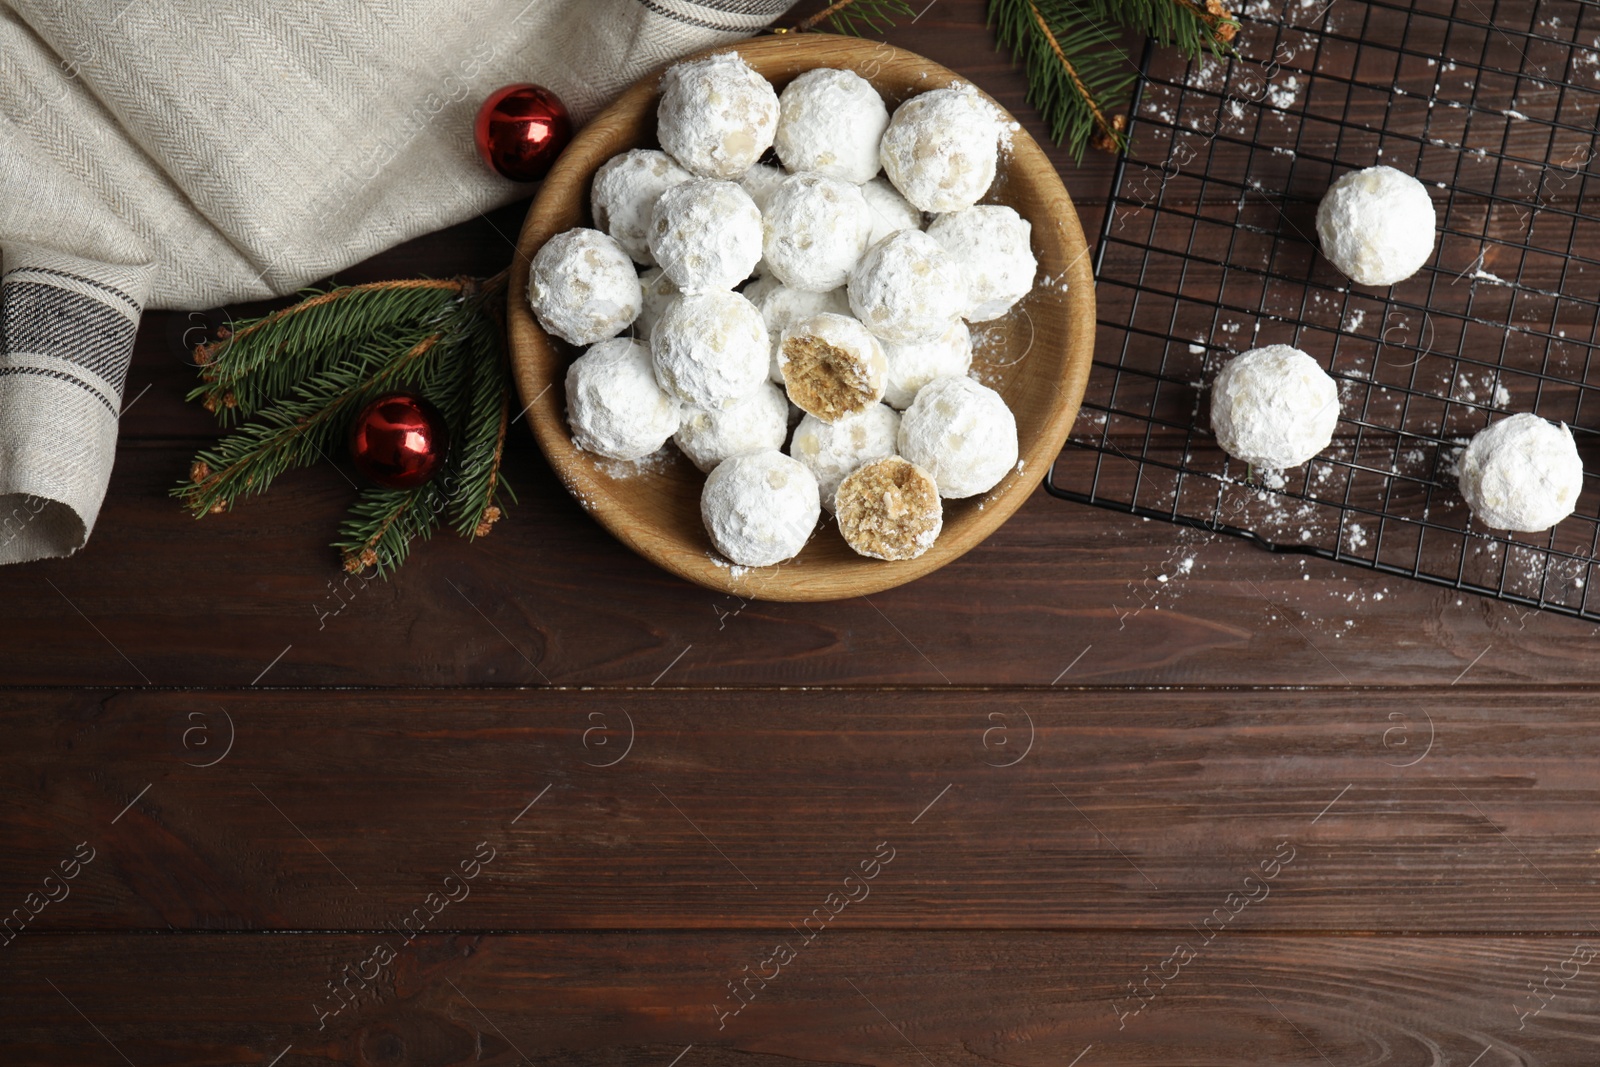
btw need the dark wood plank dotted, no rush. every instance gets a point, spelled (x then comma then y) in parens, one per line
(1387, 810)
(893, 1000)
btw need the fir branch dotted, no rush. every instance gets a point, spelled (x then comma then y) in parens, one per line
(1076, 70)
(294, 432)
(854, 17)
(383, 525)
(477, 454)
(245, 369)
(1193, 26)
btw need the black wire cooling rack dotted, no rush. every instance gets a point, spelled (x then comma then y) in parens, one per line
(1208, 249)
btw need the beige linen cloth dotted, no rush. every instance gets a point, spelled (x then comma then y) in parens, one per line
(191, 153)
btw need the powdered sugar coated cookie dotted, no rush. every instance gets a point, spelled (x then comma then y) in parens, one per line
(706, 234)
(830, 122)
(916, 363)
(625, 191)
(760, 508)
(814, 231)
(710, 349)
(755, 423)
(1523, 474)
(615, 408)
(941, 148)
(1377, 225)
(1273, 407)
(907, 288)
(992, 244)
(962, 433)
(583, 287)
(716, 115)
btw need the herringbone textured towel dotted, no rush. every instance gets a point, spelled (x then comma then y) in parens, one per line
(189, 153)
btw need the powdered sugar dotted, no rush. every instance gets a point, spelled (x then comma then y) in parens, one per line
(706, 234)
(815, 229)
(583, 287)
(716, 115)
(710, 349)
(830, 122)
(907, 288)
(760, 508)
(942, 147)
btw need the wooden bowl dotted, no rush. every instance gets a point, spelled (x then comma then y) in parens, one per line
(1038, 357)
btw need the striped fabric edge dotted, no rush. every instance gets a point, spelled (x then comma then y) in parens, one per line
(722, 16)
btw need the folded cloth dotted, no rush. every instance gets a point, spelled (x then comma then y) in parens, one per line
(186, 153)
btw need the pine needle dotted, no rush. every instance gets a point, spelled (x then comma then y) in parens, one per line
(1079, 75)
(295, 379)
(856, 17)
(1076, 70)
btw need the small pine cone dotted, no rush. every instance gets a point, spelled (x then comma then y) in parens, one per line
(210, 404)
(218, 508)
(1104, 141)
(203, 355)
(231, 401)
(491, 515)
(223, 333)
(199, 471)
(369, 558)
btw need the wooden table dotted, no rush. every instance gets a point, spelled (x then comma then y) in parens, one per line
(1103, 791)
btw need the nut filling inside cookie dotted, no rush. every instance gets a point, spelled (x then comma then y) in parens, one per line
(889, 509)
(824, 379)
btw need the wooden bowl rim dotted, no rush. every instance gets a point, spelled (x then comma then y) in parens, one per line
(568, 182)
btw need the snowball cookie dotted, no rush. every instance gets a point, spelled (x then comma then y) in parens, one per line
(832, 366)
(614, 406)
(625, 192)
(962, 433)
(658, 291)
(583, 288)
(761, 181)
(716, 115)
(815, 230)
(1521, 474)
(755, 423)
(781, 307)
(915, 364)
(908, 288)
(941, 148)
(760, 508)
(706, 234)
(1273, 407)
(1376, 225)
(890, 211)
(830, 121)
(889, 509)
(832, 450)
(710, 349)
(991, 243)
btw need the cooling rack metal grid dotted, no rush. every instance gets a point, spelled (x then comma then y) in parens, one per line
(1208, 248)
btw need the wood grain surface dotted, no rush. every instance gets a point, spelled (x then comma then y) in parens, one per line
(1416, 809)
(1152, 796)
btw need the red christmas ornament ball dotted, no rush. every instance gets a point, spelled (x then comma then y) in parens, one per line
(520, 131)
(399, 441)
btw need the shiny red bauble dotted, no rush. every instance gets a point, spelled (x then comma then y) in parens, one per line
(520, 131)
(399, 441)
